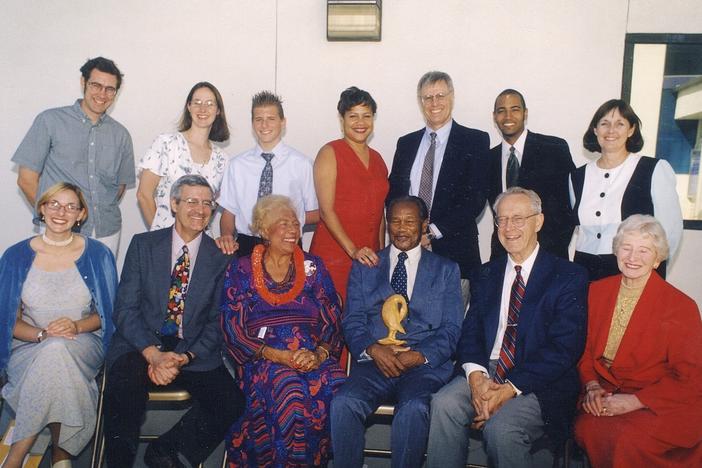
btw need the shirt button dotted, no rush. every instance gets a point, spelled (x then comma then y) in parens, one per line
(599, 236)
(602, 195)
(597, 213)
(606, 175)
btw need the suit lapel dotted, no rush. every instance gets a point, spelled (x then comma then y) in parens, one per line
(493, 300)
(383, 270)
(161, 267)
(423, 280)
(201, 275)
(536, 289)
(447, 166)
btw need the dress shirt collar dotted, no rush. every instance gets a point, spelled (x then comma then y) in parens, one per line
(413, 254)
(442, 133)
(527, 264)
(411, 265)
(177, 248)
(79, 110)
(518, 149)
(278, 150)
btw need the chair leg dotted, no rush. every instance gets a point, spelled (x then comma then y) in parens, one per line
(99, 437)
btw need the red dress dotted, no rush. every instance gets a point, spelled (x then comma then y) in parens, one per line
(359, 201)
(660, 361)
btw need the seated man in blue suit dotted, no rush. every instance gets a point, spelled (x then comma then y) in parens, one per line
(167, 330)
(409, 374)
(521, 340)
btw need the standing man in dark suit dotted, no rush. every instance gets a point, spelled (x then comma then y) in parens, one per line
(445, 165)
(407, 374)
(521, 340)
(541, 163)
(167, 330)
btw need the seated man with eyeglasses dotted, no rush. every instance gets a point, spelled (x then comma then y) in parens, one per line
(84, 146)
(521, 340)
(167, 330)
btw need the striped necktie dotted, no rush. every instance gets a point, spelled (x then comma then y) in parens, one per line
(509, 342)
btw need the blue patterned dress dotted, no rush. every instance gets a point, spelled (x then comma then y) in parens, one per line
(286, 420)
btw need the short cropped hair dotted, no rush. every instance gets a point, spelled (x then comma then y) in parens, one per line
(60, 187)
(220, 129)
(191, 180)
(267, 98)
(102, 64)
(432, 77)
(633, 144)
(416, 201)
(507, 92)
(534, 198)
(647, 226)
(265, 206)
(352, 97)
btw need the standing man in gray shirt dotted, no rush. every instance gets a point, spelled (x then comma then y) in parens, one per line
(83, 145)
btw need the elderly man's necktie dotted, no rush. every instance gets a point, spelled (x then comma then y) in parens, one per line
(173, 324)
(512, 169)
(509, 342)
(265, 185)
(399, 276)
(426, 183)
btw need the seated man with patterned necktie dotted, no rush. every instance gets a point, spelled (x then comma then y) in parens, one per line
(406, 374)
(521, 340)
(167, 330)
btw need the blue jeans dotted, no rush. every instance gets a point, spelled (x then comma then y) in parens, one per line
(365, 390)
(507, 435)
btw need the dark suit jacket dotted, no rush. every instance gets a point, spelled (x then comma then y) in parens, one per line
(142, 300)
(459, 195)
(546, 166)
(435, 311)
(550, 332)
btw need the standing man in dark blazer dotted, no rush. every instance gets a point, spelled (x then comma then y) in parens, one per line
(520, 344)
(541, 163)
(445, 165)
(167, 330)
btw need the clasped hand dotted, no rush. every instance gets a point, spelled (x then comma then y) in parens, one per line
(62, 327)
(394, 360)
(598, 402)
(164, 367)
(487, 397)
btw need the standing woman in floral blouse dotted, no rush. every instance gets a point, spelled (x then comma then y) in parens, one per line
(189, 151)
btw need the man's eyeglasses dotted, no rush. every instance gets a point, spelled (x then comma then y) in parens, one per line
(517, 221)
(195, 202)
(99, 88)
(439, 97)
(54, 205)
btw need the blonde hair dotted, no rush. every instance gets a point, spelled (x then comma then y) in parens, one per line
(60, 187)
(264, 207)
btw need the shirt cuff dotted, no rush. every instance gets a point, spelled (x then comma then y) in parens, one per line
(435, 231)
(365, 357)
(470, 367)
(516, 390)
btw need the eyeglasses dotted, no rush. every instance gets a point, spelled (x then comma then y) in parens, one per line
(439, 97)
(195, 202)
(517, 221)
(54, 205)
(209, 104)
(98, 88)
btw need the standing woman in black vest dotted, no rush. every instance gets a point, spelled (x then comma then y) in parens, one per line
(618, 184)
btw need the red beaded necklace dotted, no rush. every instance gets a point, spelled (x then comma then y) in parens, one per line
(272, 298)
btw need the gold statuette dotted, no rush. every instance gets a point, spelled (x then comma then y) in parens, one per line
(394, 312)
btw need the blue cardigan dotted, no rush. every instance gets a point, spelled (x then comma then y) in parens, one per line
(96, 266)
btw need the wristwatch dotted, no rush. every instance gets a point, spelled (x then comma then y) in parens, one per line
(41, 335)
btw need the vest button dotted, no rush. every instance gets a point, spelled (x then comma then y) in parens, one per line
(597, 213)
(602, 195)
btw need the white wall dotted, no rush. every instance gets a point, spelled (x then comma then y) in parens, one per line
(566, 56)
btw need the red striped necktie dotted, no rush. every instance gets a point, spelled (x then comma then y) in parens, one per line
(509, 342)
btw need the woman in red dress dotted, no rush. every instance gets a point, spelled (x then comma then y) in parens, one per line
(351, 180)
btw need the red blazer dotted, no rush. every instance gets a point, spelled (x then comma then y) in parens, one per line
(659, 358)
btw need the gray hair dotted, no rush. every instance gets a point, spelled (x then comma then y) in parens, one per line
(191, 180)
(534, 198)
(264, 207)
(647, 226)
(432, 77)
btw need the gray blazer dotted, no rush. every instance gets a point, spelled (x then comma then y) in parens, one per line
(142, 299)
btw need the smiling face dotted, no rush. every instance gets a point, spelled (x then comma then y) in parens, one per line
(283, 232)
(203, 108)
(612, 132)
(437, 103)
(95, 103)
(405, 227)
(60, 214)
(358, 123)
(518, 242)
(509, 116)
(191, 218)
(268, 126)
(636, 257)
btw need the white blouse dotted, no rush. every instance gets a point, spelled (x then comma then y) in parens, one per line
(169, 157)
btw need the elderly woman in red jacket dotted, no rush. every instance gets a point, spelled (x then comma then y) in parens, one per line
(642, 366)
